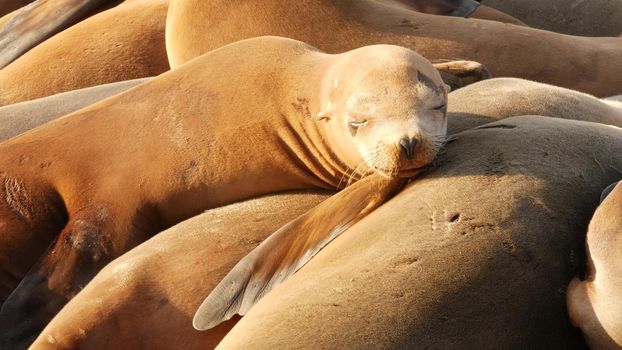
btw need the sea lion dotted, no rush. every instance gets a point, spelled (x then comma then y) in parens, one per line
(167, 277)
(594, 303)
(123, 43)
(20, 117)
(500, 98)
(334, 26)
(588, 18)
(316, 122)
(476, 253)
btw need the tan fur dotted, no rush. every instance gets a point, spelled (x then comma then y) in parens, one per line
(501, 98)
(595, 304)
(196, 26)
(145, 286)
(20, 117)
(199, 137)
(92, 52)
(476, 254)
(40, 20)
(575, 17)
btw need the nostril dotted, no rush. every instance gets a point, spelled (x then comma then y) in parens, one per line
(408, 146)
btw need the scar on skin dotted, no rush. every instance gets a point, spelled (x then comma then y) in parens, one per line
(16, 197)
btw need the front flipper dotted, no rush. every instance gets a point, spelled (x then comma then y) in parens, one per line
(289, 248)
(458, 74)
(37, 22)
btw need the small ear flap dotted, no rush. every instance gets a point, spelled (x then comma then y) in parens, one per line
(323, 116)
(447, 88)
(38, 21)
(290, 248)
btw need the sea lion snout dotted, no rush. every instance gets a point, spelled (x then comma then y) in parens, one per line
(408, 145)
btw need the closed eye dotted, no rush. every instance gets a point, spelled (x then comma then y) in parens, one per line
(442, 108)
(357, 123)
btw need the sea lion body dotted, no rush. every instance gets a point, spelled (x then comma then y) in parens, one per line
(587, 18)
(476, 253)
(595, 303)
(180, 144)
(20, 117)
(501, 98)
(167, 277)
(123, 43)
(335, 26)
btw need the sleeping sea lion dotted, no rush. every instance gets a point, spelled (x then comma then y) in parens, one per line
(334, 26)
(255, 117)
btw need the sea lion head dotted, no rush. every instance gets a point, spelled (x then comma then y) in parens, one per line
(385, 108)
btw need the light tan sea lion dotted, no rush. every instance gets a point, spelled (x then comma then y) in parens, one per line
(475, 254)
(334, 26)
(20, 117)
(500, 98)
(180, 143)
(595, 304)
(588, 18)
(166, 277)
(123, 43)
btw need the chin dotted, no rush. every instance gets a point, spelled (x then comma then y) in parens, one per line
(406, 173)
